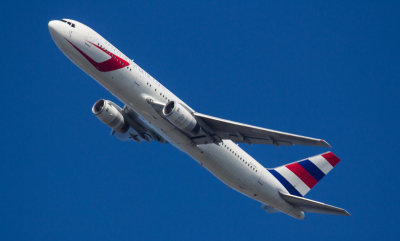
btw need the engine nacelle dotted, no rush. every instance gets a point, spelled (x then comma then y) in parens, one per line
(180, 117)
(110, 114)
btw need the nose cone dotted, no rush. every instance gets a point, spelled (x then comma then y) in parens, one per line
(55, 29)
(58, 33)
(51, 25)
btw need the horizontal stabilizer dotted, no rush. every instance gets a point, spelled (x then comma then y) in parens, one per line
(312, 206)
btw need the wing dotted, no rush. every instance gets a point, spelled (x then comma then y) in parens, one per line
(224, 129)
(138, 129)
(312, 206)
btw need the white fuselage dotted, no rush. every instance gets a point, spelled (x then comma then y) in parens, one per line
(133, 86)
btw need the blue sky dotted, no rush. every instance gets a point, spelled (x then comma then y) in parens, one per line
(322, 69)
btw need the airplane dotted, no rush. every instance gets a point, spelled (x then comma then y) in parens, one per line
(153, 113)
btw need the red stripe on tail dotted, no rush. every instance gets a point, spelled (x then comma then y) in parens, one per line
(331, 158)
(303, 174)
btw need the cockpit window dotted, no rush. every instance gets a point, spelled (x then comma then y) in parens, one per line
(69, 23)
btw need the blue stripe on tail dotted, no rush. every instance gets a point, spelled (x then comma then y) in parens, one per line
(312, 169)
(285, 183)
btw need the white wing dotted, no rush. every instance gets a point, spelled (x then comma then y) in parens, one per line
(243, 133)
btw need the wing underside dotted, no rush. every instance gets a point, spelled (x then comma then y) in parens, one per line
(215, 129)
(243, 133)
(139, 130)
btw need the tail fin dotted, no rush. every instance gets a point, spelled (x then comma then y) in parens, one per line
(299, 177)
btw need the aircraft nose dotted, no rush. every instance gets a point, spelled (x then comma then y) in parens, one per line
(52, 27)
(55, 29)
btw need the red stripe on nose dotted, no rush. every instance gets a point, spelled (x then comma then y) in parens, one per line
(111, 64)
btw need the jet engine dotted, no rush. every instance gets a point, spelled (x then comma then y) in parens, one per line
(110, 114)
(180, 117)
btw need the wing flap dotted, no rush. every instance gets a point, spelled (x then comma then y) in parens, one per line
(312, 206)
(243, 133)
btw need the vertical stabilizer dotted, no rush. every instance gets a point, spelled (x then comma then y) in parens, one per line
(299, 177)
